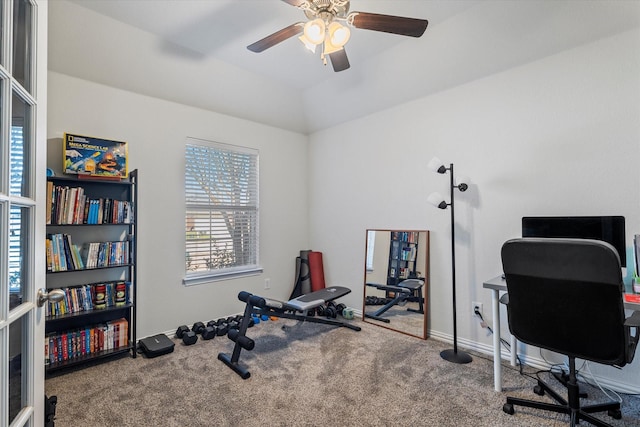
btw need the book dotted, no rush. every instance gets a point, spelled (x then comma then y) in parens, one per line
(49, 200)
(632, 298)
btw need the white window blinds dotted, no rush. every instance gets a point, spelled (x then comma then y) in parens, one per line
(221, 191)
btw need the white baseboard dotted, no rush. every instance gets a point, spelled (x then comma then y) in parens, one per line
(531, 361)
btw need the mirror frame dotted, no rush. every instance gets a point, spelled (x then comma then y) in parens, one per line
(422, 253)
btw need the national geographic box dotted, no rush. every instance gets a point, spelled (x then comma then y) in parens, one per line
(94, 157)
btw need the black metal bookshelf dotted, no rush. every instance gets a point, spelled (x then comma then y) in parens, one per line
(80, 315)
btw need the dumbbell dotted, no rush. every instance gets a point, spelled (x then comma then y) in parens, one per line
(233, 324)
(188, 336)
(330, 310)
(340, 308)
(206, 332)
(251, 323)
(198, 327)
(221, 327)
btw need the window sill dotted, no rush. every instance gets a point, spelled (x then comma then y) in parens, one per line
(216, 277)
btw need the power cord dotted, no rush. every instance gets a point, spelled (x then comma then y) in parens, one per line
(504, 342)
(616, 396)
(560, 368)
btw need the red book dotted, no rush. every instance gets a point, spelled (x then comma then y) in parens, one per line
(632, 298)
(83, 343)
(65, 347)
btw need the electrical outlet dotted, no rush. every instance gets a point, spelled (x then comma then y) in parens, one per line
(476, 306)
(267, 283)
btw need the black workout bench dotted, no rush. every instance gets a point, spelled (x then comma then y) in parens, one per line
(289, 310)
(403, 291)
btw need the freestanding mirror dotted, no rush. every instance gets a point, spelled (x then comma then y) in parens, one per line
(396, 280)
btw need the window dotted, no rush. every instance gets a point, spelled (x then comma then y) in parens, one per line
(371, 243)
(221, 221)
(16, 150)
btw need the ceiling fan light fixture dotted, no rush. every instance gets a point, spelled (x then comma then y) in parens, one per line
(327, 26)
(307, 43)
(314, 31)
(338, 34)
(329, 48)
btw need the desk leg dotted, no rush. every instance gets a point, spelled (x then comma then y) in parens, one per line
(514, 350)
(497, 367)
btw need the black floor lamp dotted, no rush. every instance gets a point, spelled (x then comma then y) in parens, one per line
(452, 355)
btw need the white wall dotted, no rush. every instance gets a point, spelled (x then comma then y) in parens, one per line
(156, 131)
(560, 136)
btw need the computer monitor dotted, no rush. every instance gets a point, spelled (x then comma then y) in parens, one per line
(607, 228)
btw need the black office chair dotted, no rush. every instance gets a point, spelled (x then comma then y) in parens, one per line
(565, 295)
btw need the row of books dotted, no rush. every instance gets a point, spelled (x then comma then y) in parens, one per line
(70, 205)
(89, 297)
(408, 254)
(63, 255)
(405, 236)
(105, 254)
(61, 347)
(401, 252)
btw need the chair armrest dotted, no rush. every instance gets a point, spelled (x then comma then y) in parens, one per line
(630, 322)
(504, 299)
(633, 321)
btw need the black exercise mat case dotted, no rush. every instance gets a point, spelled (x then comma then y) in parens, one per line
(156, 345)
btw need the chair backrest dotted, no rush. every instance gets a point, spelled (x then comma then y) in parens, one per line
(565, 295)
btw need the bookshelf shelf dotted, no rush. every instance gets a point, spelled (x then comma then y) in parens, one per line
(91, 313)
(91, 241)
(127, 265)
(82, 360)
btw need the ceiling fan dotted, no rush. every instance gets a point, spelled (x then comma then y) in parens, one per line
(324, 28)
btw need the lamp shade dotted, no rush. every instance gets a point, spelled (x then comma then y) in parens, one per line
(338, 34)
(437, 200)
(314, 31)
(436, 165)
(307, 43)
(463, 183)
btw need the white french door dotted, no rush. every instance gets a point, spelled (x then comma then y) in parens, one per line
(23, 35)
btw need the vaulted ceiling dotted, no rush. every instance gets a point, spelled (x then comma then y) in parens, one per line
(194, 51)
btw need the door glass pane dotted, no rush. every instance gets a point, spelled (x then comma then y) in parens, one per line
(2, 35)
(15, 368)
(22, 46)
(20, 147)
(18, 248)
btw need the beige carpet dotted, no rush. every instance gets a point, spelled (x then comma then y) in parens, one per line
(303, 374)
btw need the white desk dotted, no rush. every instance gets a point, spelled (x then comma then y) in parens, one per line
(496, 285)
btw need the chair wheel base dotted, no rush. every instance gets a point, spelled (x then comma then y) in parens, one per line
(508, 408)
(538, 390)
(615, 413)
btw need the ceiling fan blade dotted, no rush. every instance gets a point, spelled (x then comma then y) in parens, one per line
(339, 60)
(277, 37)
(389, 24)
(296, 3)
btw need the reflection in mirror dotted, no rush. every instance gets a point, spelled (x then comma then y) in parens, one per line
(396, 280)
